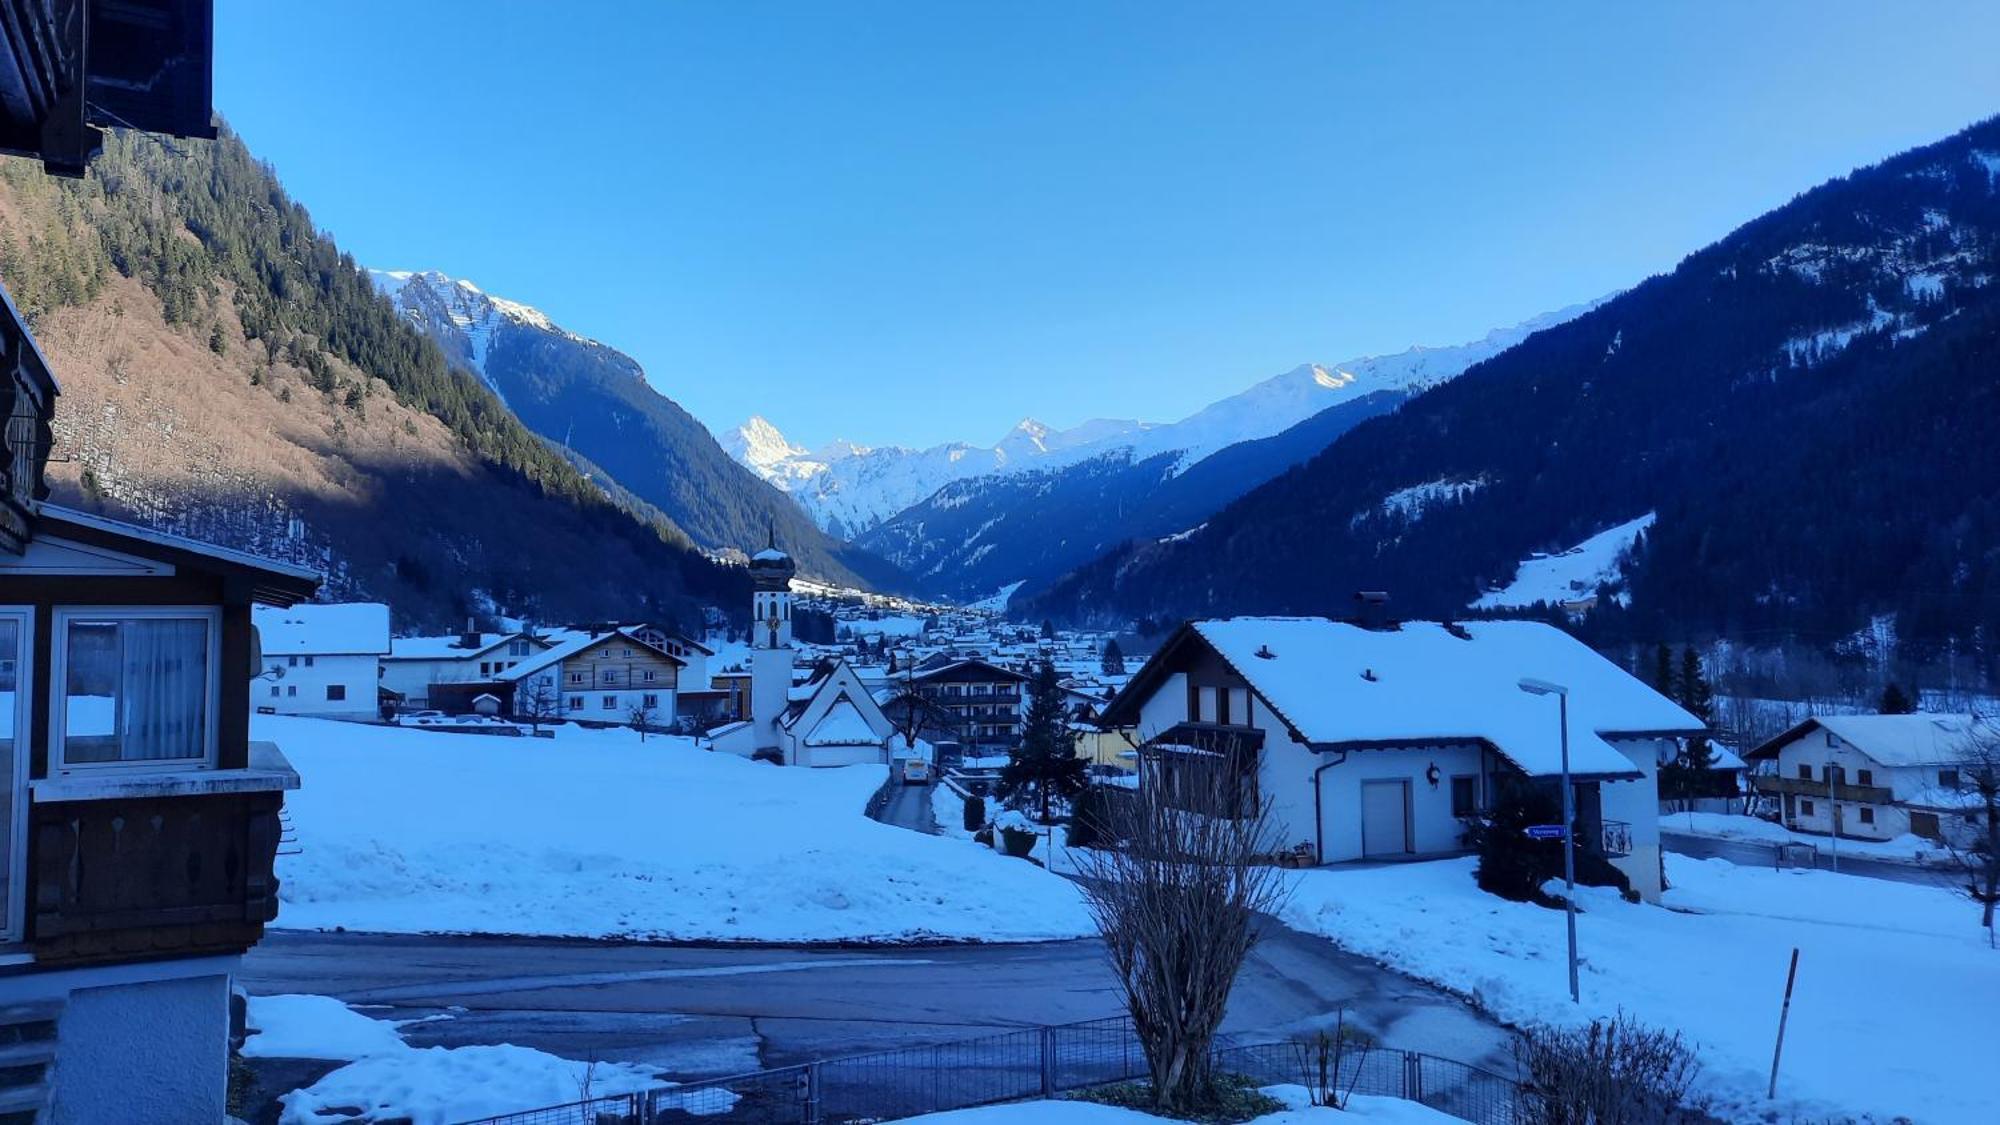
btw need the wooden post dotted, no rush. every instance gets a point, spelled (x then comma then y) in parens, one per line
(1784, 1014)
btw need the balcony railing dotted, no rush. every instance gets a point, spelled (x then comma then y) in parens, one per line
(1801, 787)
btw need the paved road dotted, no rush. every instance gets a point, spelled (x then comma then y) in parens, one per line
(910, 807)
(1752, 853)
(706, 1011)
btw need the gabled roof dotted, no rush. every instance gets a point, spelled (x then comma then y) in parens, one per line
(842, 726)
(575, 646)
(446, 647)
(1338, 686)
(971, 669)
(348, 629)
(271, 582)
(1921, 739)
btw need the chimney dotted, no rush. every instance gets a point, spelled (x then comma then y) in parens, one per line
(469, 638)
(1372, 609)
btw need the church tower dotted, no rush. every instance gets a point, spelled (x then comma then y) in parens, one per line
(771, 573)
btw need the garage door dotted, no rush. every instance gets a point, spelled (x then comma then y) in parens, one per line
(843, 755)
(1385, 809)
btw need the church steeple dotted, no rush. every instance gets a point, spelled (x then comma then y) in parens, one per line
(771, 572)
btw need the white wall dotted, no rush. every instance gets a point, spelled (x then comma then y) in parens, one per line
(622, 700)
(302, 688)
(1812, 749)
(1637, 803)
(1433, 830)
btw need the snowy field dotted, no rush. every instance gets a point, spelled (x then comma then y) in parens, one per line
(1898, 999)
(1575, 573)
(594, 834)
(1299, 1111)
(1726, 826)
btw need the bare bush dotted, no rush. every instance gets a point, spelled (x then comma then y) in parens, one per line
(1975, 851)
(1177, 902)
(1614, 1072)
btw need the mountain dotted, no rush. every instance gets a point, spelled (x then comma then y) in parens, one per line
(1030, 519)
(851, 489)
(227, 372)
(1806, 408)
(593, 400)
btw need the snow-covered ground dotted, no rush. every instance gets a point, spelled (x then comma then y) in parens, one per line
(1896, 1010)
(596, 834)
(1575, 573)
(1299, 1111)
(388, 1079)
(1727, 826)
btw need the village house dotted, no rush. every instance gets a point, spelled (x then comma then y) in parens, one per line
(829, 719)
(1383, 742)
(989, 701)
(611, 677)
(323, 660)
(1870, 777)
(414, 665)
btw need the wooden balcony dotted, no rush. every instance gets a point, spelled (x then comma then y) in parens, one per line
(151, 865)
(1772, 785)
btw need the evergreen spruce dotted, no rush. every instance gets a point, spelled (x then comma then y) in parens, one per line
(1045, 765)
(1895, 701)
(1114, 658)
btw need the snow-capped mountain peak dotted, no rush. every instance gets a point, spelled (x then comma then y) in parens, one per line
(461, 316)
(759, 445)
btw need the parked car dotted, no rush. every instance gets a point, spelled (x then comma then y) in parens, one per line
(916, 771)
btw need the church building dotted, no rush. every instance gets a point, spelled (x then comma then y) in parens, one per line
(827, 719)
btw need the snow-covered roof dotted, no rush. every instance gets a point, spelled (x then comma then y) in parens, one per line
(770, 554)
(1922, 739)
(843, 725)
(353, 628)
(442, 648)
(576, 644)
(1339, 684)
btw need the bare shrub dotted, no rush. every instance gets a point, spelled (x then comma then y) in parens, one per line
(1323, 1059)
(1613, 1072)
(1177, 902)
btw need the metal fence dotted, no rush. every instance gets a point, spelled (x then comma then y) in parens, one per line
(1031, 1063)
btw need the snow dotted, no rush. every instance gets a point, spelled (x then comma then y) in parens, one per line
(1921, 739)
(1410, 503)
(440, 1085)
(461, 313)
(855, 487)
(997, 601)
(1336, 682)
(594, 833)
(314, 1027)
(1728, 826)
(843, 726)
(1575, 573)
(354, 627)
(1897, 1004)
(1298, 1111)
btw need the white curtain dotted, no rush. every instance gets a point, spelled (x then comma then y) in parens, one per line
(164, 685)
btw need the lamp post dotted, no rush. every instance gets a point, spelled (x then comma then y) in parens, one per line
(1543, 687)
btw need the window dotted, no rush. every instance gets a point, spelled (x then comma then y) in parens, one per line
(1948, 779)
(1805, 772)
(1831, 740)
(1205, 705)
(1867, 816)
(309, 661)
(1239, 707)
(652, 700)
(291, 661)
(292, 690)
(576, 703)
(485, 668)
(517, 648)
(609, 677)
(650, 674)
(135, 685)
(1864, 777)
(576, 677)
(611, 703)
(275, 692)
(1464, 796)
(336, 693)
(1805, 808)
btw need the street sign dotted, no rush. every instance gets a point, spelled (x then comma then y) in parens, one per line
(1544, 831)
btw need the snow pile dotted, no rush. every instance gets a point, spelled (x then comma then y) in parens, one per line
(440, 1085)
(594, 833)
(314, 1027)
(1727, 826)
(1299, 1111)
(1898, 997)
(1575, 573)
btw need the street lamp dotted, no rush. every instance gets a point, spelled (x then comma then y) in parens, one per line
(1543, 687)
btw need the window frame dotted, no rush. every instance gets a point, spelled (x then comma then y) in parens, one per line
(59, 621)
(14, 904)
(1452, 795)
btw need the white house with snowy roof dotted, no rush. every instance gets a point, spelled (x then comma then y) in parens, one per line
(1382, 742)
(829, 719)
(1872, 777)
(414, 664)
(323, 660)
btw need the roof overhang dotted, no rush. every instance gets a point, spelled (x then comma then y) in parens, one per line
(269, 581)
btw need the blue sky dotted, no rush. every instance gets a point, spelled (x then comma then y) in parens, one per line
(916, 222)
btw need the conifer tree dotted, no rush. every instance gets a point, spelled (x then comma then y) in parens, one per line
(1045, 765)
(1114, 658)
(1896, 701)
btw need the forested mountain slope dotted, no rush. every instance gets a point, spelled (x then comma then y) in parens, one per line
(227, 371)
(1809, 406)
(593, 399)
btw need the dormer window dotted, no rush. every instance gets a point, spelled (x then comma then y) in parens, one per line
(134, 686)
